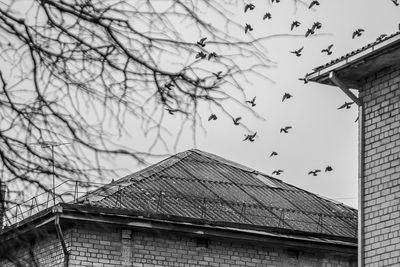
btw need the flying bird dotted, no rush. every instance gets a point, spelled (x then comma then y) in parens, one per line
(277, 172)
(169, 85)
(357, 33)
(309, 32)
(201, 55)
(212, 117)
(276, 1)
(328, 50)
(313, 3)
(252, 102)
(248, 6)
(250, 137)
(314, 173)
(247, 28)
(172, 111)
(267, 16)
(286, 96)
(273, 154)
(201, 42)
(285, 129)
(328, 169)
(346, 105)
(236, 120)
(212, 55)
(317, 25)
(218, 75)
(396, 2)
(297, 52)
(294, 24)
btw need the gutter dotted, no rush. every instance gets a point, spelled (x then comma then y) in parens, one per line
(357, 56)
(58, 211)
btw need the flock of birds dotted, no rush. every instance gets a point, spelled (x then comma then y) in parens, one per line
(251, 137)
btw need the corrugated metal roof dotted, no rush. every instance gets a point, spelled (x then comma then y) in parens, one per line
(357, 51)
(198, 185)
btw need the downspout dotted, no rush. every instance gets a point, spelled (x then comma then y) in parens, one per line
(361, 149)
(58, 210)
(361, 152)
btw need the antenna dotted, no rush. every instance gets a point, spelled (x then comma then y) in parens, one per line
(51, 145)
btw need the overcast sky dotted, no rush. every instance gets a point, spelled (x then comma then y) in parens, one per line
(322, 135)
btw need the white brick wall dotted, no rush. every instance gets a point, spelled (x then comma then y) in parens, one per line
(381, 97)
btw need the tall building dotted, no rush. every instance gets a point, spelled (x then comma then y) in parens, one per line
(374, 71)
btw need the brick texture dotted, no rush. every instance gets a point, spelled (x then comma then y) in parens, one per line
(381, 97)
(122, 247)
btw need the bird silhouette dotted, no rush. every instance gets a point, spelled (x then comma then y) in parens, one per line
(250, 137)
(357, 33)
(218, 75)
(285, 129)
(328, 169)
(327, 50)
(212, 117)
(247, 28)
(286, 96)
(201, 55)
(169, 85)
(273, 154)
(309, 32)
(314, 173)
(201, 42)
(277, 172)
(298, 51)
(346, 105)
(267, 16)
(316, 25)
(252, 102)
(236, 120)
(294, 24)
(171, 111)
(276, 1)
(313, 3)
(248, 6)
(396, 2)
(381, 37)
(212, 55)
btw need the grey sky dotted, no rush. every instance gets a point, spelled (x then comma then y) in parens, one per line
(321, 134)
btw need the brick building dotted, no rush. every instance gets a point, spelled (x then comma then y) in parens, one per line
(192, 209)
(374, 71)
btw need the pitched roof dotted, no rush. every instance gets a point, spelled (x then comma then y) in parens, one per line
(202, 186)
(355, 65)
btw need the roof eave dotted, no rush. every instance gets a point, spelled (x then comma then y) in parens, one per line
(354, 63)
(79, 213)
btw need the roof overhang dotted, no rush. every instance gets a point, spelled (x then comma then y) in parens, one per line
(78, 214)
(353, 68)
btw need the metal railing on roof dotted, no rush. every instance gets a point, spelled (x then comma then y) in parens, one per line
(160, 202)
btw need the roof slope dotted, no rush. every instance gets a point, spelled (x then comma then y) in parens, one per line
(198, 185)
(360, 63)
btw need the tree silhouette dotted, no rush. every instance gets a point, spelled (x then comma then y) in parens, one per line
(71, 70)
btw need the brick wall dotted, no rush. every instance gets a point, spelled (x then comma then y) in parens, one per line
(45, 251)
(381, 97)
(116, 247)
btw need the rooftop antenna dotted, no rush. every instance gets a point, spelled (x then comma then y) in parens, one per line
(49, 144)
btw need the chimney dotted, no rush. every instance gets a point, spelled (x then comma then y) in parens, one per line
(2, 202)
